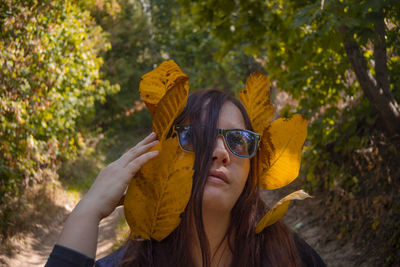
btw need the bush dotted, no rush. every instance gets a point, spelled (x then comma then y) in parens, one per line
(49, 81)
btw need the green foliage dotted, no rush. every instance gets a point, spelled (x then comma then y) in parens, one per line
(301, 42)
(197, 51)
(303, 46)
(77, 174)
(142, 36)
(303, 51)
(133, 53)
(49, 82)
(335, 137)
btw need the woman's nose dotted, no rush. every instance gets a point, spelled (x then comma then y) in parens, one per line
(221, 152)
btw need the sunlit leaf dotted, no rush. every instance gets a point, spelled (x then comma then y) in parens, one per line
(158, 82)
(279, 209)
(256, 98)
(159, 192)
(278, 161)
(170, 106)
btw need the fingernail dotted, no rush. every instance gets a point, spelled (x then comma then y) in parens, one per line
(153, 134)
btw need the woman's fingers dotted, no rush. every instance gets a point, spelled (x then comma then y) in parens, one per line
(151, 137)
(142, 147)
(136, 164)
(138, 152)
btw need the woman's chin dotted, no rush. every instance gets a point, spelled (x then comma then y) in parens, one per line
(216, 199)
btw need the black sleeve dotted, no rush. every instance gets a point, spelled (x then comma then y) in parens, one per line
(66, 257)
(111, 260)
(308, 255)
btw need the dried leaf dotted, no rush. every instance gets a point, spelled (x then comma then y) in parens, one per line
(278, 161)
(256, 98)
(279, 209)
(159, 192)
(156, 83)
(169, 107)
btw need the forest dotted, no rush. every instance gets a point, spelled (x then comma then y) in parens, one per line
(70, 105)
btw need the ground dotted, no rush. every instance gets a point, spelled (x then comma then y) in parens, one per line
(33, 249)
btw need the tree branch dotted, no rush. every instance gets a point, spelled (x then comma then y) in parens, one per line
(381, 70)
(358, 62)
(382, 100)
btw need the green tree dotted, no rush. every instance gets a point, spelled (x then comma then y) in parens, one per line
(196, 49)
(340, 61)
(133, 53)
(49, 82)
(316, 49)
(142, 35)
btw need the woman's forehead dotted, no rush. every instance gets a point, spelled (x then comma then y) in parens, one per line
(230, 116)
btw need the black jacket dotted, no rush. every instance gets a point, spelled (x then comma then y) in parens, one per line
(65, 257)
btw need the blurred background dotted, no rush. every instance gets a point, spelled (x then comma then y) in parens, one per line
(70, 105)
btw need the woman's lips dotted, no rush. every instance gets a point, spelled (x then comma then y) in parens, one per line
(218, 175)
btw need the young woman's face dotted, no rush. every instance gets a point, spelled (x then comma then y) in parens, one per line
(228, 172)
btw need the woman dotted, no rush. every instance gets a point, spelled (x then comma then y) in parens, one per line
(218, 225)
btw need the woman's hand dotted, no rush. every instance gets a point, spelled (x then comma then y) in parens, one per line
(107, 190)
(81, 228)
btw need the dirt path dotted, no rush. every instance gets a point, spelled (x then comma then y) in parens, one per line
(107, 233)
(303, 219)
(34, 248)
(300, 219)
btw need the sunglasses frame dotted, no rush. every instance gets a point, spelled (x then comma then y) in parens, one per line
(223, 133)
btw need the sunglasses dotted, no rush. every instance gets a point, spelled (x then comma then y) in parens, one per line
(242, 143)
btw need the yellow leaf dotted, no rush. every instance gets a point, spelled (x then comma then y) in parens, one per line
(155, 84)
(279, 210)
(277, 163)
(159, 192)
(256, 98)
(168, 108)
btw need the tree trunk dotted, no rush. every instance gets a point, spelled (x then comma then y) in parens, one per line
(376, 90)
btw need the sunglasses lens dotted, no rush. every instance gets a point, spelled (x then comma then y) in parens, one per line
(185, 139)
(241, 143)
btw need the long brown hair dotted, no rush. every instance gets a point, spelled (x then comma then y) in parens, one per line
(272, 247)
